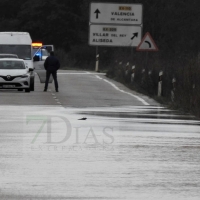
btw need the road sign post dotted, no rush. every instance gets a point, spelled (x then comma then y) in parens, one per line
(97, 60)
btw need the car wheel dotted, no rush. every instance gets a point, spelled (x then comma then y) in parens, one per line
(27, 90)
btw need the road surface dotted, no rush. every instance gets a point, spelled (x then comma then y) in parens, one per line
(95, 139)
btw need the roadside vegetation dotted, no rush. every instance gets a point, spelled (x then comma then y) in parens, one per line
(180, 80)
(173, 24)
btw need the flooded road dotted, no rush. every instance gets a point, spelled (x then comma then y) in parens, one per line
(124, 152)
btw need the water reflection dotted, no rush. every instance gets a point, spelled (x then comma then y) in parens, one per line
(152, 156)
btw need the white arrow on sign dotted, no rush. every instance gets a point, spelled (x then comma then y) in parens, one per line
(114, 35)
(116, 13)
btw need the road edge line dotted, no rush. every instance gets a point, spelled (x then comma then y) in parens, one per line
(135, 96)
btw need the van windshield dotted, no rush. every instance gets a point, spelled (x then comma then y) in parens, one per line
(8, 56)
(23, 51)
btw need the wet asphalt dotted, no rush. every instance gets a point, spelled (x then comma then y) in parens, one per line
(95, 139)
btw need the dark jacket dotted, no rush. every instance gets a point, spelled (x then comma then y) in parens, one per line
(51, 63)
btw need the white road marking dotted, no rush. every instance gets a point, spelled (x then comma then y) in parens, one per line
(112, 84)
(99, 77)
(135, 96)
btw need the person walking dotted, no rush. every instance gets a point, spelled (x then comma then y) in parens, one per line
(51, 66)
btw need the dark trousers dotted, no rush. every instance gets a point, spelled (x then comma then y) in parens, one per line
(48, 74)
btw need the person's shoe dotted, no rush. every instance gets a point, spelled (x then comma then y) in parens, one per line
(57, 90)
(45, 90)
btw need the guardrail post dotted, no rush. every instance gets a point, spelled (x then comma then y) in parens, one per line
(143, 77)
(133, 74)
(149, 72)
(160, 84)
(173, 89)
(97, 63)
(127, 68)
(127, 72)
(150, 83)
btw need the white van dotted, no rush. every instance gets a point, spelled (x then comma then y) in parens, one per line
(19, 43)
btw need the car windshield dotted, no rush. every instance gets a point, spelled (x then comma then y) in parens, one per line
(22, 51)
(8, 64)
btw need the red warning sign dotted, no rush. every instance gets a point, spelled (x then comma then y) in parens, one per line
(147, 44)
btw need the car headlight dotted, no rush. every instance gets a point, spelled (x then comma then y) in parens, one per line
(25, 76)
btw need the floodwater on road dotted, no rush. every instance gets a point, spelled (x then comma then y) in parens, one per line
(135, 152)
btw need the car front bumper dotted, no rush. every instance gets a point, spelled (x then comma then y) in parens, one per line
(17, 83)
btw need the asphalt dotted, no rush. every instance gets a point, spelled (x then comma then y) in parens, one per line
(95, 139)
(77, 89)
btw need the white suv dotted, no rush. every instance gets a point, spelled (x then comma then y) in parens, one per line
(14, 74)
